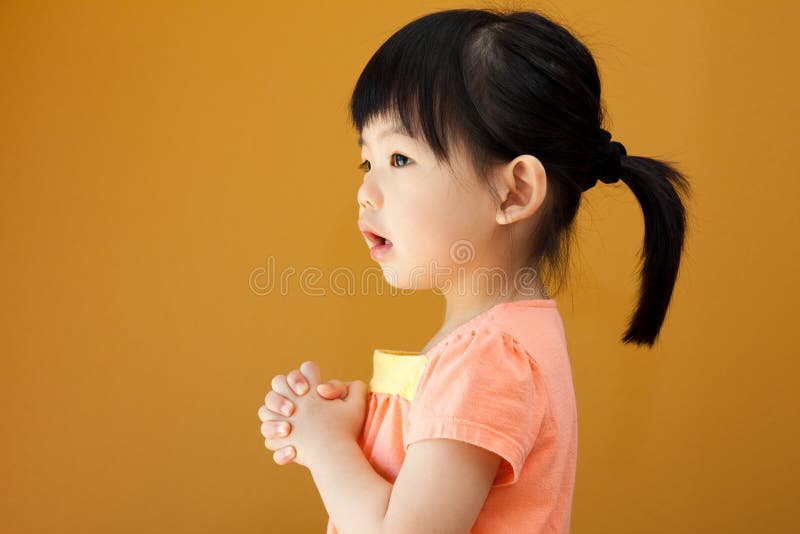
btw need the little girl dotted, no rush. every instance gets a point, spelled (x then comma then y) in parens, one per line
(479, 133)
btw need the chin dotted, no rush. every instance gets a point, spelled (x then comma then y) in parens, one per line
(405, 278)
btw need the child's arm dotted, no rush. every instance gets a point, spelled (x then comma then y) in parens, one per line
(359, 500)
(355, 496)
(324, 437)
(441, 487)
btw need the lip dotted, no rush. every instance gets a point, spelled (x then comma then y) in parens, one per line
(379, 251)
(378, 246)
(373, 237)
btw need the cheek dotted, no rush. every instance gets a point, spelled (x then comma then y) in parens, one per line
(444, 232)
(421, 227)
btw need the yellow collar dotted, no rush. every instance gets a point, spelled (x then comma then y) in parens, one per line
(396, 372)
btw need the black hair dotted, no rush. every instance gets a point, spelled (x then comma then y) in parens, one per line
(505, 84)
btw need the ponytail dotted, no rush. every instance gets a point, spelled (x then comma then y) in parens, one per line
(657, 186)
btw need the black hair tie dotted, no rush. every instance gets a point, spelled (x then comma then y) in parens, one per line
(607, 163)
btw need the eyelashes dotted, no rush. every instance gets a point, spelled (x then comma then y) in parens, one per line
(366, 166)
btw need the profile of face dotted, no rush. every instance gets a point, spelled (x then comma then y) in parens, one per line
(438, 223)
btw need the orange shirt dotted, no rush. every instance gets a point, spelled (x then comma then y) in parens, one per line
(501, 381)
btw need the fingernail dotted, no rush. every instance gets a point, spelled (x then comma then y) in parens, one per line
(301, 387)
(285, 409)
(287, 453)
(282, 429)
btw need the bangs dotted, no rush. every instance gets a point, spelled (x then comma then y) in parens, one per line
(416, 78)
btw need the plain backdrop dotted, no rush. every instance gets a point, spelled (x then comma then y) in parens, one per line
(157, 157)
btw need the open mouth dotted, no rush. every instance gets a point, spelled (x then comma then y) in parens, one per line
(377, 240)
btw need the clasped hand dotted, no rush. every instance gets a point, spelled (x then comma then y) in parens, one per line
(299, 427)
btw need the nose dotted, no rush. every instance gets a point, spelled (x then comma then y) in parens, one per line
(369, 195)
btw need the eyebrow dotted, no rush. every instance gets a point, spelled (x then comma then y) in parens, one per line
(394, 128)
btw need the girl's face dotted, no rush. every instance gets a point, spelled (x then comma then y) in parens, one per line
(440, 227)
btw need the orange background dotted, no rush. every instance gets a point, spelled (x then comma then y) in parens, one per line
(153, 157)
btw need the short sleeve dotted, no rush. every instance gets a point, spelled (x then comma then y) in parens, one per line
(481, 388)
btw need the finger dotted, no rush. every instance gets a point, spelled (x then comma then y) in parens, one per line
(266, 414)
(283, 456)
(357, 388)
(329, 392)
(297, 381)
(332, 389)
(273, 444)
(275, 429)
(278, 404)
(280, 385)
(311, 370)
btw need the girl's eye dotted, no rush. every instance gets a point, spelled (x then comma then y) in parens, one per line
(402, 156)
(366, 166)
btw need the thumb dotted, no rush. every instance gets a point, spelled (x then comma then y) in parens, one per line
(332, 389)
(358, 389)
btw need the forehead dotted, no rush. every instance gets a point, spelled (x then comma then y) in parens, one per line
(380, 128)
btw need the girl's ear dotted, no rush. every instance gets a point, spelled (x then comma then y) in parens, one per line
(522, 185)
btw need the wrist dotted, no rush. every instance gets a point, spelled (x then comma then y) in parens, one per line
(331, 449)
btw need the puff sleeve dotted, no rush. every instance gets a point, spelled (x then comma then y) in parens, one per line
(482, 388)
